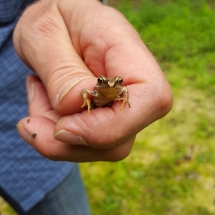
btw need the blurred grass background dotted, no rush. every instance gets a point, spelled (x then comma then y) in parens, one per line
(171, 169)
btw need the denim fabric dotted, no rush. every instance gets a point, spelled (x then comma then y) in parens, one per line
(68, 198)
(25, 176)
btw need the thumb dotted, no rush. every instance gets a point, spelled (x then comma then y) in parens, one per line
(43, 42)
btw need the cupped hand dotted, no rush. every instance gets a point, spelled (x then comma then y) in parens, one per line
(69, 44)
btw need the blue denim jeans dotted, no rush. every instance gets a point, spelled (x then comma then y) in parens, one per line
(69, 198)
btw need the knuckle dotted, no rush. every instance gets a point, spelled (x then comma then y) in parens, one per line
(39, 24)
(121, 154)
(166, 101)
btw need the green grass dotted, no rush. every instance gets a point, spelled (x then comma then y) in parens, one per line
(171, 168)
(178, 33)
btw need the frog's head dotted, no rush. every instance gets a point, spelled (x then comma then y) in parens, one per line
(109, 82)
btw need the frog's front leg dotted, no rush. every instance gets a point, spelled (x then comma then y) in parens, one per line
(84, 94)
(123, 96)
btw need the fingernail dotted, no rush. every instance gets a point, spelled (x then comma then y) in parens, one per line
(69, 137)
(30, 89)
(83, 140)
(66, 88)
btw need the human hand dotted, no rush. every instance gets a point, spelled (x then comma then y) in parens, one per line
(69, 44)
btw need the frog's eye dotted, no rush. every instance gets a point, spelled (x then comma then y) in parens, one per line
(120, 80)
(100, 79)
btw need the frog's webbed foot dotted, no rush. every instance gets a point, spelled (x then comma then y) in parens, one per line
(124, 97)
(84, 94)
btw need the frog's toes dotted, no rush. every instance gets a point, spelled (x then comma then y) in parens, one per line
(123, 103)
(84, 94)
(124, 100)
(87, 103)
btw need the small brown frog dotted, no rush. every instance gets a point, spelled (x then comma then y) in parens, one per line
(106, 91)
